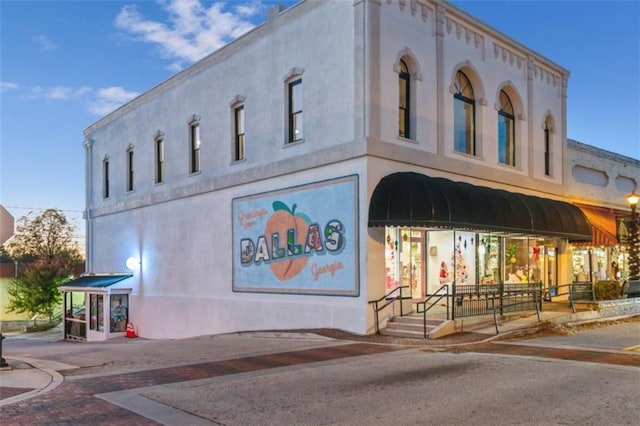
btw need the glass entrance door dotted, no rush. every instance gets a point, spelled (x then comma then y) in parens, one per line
(412, 261)
(404, 261)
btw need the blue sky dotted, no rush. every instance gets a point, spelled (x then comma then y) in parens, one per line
(64, 64)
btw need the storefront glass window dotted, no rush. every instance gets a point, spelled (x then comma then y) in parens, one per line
(591, 264)
(96, 307)
(426, 260)
(119, 312)
(489, 263)
(404, 260)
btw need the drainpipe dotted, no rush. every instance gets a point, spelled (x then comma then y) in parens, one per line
(88, 145)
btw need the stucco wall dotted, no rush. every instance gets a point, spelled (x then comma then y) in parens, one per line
(184, 285)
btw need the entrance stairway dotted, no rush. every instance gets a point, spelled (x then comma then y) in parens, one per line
(412, 326)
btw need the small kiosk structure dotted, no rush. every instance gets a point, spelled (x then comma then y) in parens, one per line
(93, 309)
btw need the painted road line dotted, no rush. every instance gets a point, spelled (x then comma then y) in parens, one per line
(634, 348)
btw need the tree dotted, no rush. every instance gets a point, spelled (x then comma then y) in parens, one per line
(45, 245)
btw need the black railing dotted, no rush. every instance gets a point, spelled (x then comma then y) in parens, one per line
(430, 302)
(581, 292)
(388, 299)
(484, 299)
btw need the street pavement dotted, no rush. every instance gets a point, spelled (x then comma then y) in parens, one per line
(138, 381)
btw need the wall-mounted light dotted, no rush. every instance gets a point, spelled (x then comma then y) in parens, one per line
(132, 263)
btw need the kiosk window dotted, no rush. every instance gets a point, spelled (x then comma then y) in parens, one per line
(119, 312)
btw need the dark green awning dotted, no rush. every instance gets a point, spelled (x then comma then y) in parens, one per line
(96, 281)
(413, 199)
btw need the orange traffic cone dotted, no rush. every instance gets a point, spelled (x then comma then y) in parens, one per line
(131, 332)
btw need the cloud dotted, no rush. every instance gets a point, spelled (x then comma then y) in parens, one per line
(192, 30)
(7, 85)
(110, 98)
(97, 101)
(45, 43)
(59, 93)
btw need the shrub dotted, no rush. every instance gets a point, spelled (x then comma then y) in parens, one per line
(607, 290)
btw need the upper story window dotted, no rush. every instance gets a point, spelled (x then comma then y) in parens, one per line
(159, 148)
(105, 177)
(130, 169)
(464, 115)
(404, 101)
(194, 145)
(506, 131)
(548, 129)
(295, 111)
(238, 124)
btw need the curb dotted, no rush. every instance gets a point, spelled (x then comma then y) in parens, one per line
(56, 380)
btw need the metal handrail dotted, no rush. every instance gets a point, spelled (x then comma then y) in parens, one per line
(438, 295)
(573, 291)
(389, 300)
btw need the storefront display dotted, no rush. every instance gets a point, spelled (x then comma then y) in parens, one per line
(426, 260)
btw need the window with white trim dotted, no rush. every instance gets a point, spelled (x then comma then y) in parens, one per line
(295, 111)
(159, 151)
(404, 101)
(238, 125)
(464, 115)
(548, 130)
(506, 131)
(130, 169)
(194, 146)
(105, 177)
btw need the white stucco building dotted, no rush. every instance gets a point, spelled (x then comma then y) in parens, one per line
(326, 157)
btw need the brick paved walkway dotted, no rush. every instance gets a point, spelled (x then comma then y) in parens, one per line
(73, 402)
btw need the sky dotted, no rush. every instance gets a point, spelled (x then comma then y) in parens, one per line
(65, 64)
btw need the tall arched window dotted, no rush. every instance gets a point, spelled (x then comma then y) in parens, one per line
(506, 131)
(464, 115)
(547, 146)
(404, 103)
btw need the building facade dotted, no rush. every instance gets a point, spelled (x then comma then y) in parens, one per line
(287, 179)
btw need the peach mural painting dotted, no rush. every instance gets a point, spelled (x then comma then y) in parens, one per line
(299, 240)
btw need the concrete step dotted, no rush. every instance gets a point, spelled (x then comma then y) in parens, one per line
(409, 326)
(403, 333)
(416, 319)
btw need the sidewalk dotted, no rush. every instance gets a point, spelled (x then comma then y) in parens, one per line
(31, 376)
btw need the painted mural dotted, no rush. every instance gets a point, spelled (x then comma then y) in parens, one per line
(300, 240)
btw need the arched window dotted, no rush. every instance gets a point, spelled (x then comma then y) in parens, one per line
(548, 125)
(404, 101)
(464, 115)
(506, 131)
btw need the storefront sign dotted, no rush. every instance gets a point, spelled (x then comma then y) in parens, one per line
(301, 240)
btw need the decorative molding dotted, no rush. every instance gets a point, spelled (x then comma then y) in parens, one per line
(546, 76)
(508, 56)
(195, 118)
(159, 135)
(88, 143)
(293, 72)
(237, 100)
(416, 7)
(465, 34)
(130, 147)
(416, 73)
